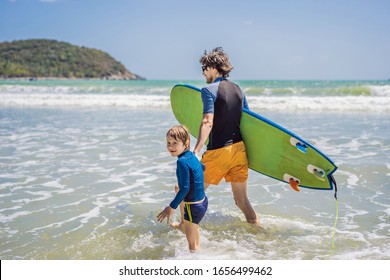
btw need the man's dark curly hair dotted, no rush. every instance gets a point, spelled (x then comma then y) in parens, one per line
(218, 59)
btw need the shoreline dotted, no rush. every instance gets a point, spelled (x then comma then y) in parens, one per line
(34, 79)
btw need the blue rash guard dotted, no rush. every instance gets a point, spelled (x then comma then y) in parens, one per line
(226, 101)
(189, 173)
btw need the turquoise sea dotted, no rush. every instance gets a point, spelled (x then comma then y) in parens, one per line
(84, 171)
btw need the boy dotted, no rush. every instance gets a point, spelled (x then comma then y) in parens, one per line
(189, 173)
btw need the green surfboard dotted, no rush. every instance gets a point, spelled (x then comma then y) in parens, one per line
(271, 149)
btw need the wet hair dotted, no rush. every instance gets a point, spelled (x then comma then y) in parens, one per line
(180, 134)
(218, 59)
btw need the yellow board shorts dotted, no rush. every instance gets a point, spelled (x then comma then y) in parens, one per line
(228, 162)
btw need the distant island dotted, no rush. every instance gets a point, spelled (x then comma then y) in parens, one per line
(42, 58)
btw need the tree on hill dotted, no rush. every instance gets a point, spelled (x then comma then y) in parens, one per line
(50, 58)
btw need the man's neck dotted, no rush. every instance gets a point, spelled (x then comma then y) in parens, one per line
(215, 77)
(215, 74)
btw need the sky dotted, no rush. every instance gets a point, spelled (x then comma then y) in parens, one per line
(265, 39)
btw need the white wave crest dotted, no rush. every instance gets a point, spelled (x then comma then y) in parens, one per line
(83, 100)
(378, 104)
(380, 90)
(321, 103)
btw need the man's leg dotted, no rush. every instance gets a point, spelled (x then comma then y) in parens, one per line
(242, 201)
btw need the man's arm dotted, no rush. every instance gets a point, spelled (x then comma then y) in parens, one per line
(204, 131)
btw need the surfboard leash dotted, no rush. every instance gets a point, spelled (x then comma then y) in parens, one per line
(335, 186)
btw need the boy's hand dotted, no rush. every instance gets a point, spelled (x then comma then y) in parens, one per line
(166, 213)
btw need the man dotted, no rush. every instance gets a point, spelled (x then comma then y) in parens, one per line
(223, 103)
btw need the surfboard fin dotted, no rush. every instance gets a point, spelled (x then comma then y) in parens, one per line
(294, 184)
(316, 171)
(302, 147)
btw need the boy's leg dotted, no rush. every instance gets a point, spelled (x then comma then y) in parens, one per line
(193, 235)
(179, 226)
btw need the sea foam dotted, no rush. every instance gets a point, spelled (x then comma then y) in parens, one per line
(379, 104)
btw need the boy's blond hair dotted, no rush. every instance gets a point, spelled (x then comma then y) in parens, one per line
(180, 133)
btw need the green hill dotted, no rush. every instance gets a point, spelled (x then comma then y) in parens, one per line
(43, 58)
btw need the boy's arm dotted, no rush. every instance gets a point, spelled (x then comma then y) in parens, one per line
(183, 180)
(166, 213)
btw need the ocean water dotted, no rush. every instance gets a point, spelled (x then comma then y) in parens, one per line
(84, 173)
